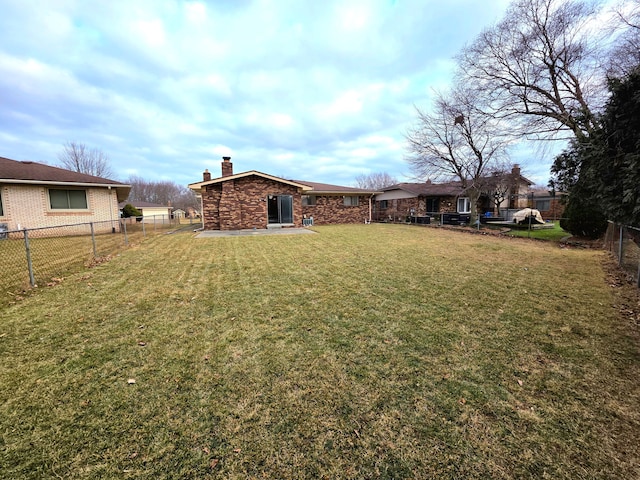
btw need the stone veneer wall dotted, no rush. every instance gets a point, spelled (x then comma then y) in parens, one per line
(330, 209)
(400, 208)
(241, 203)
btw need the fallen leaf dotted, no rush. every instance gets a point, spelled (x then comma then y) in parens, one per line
(142, 344)
(519, 382)
(462, 401)
(214, 463)
(237, 450)
(131, 381)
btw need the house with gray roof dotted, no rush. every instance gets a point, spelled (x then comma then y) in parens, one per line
(35, 195)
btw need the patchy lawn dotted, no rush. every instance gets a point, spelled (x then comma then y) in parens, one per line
(368, 351)
(554, 234)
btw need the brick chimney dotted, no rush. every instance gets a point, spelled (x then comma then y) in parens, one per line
(227, 167)
(206, 175)
(515, 171)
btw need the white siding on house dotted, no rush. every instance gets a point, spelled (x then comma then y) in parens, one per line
(393, 195)
(151, 211)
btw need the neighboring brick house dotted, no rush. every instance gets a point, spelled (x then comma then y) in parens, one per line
(34, 195)
(549, 204)
(257, 200)
(397, 202)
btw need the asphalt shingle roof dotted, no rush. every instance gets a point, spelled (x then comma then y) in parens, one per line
(34, 171)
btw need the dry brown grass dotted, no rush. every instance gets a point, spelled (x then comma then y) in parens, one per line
(375, 351)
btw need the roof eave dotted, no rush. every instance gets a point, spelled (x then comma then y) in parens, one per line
(200, 185)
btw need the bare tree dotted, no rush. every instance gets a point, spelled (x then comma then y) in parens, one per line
(540, 65)
(80, 158)
(162, 192)
(375, 181)
(625, 55)
(456, 141)
(498, 183)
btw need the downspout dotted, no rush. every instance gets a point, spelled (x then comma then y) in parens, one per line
(370, 206)
(202, 207)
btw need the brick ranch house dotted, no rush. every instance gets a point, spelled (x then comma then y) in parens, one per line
(397, 202)
(35, 195)
(257, 200)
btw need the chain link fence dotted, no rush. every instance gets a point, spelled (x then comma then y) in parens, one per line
(41, 256)
(623, 241)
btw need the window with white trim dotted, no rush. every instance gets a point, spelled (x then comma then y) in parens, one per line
(464, 205)
(1, 207)
(60, 199)
(351, 201)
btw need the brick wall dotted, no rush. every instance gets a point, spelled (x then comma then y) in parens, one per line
(28, 206)
(555, 210)
(241, 203)
(330, 209)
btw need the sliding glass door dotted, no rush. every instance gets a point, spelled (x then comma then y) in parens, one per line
(280, 208)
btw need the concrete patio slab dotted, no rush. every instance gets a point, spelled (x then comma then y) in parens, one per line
(243, 233)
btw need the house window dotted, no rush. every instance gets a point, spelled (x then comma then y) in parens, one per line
(464, 205)
(433, 205)
(1, 207)
(543, 205)
(67, 199)
(308, 200)
(384, 204)
(351, 201)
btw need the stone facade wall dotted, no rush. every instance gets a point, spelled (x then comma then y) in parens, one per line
(399, 209)
(330, 209)
(242, 203)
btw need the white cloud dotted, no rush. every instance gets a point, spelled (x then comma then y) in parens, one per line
(314, 90)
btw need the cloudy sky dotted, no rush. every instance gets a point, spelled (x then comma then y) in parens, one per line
(312, 90)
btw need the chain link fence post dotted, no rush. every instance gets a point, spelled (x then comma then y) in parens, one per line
(27, 247)
(124, 229)
(620, 245)
(93, 240)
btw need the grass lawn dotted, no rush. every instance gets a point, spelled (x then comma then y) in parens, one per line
(554, 234)
(366, 351)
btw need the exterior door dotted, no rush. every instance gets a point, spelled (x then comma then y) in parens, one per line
(280, 208)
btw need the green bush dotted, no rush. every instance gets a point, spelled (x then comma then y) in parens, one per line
(130, 211)
(583, 218)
